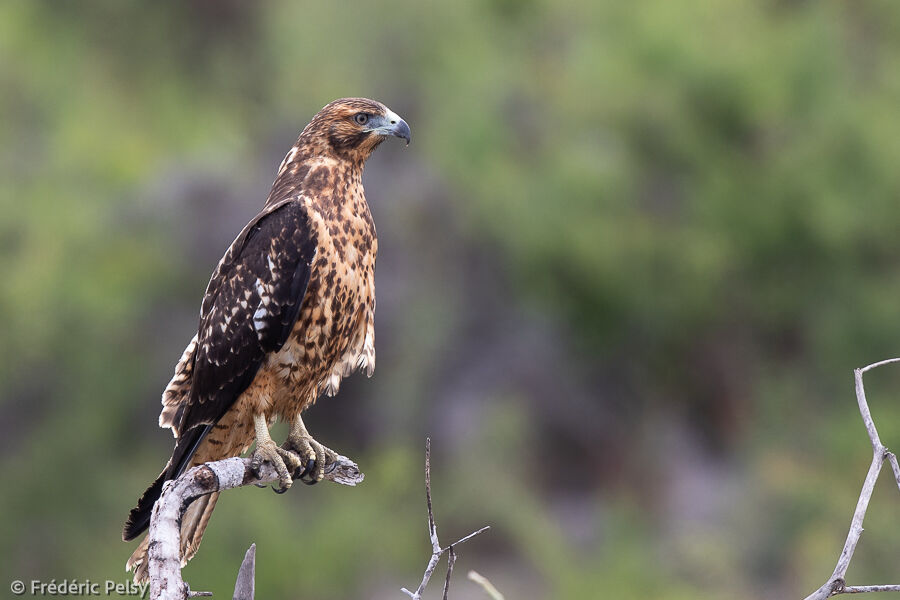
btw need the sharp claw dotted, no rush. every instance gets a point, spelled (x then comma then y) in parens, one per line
(260, 485)
(304, 469)
(280, 490)
(308, 477)
(319, 460)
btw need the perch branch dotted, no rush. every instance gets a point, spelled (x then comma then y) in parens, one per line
(165, 533)
(836, 584)
(436, 550)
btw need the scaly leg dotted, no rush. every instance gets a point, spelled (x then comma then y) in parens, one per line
(284, 461)
(313, 456)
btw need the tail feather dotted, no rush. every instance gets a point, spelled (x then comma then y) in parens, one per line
(185, 448)
(196, 446)
(139, 517)
(193, 524)
(138, 562)
(232, 437)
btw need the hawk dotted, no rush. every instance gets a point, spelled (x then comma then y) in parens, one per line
(288, 312)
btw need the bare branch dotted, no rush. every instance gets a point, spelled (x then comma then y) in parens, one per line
(451, 560)
(866, 414)
(165, 531)
(836, 584)
(880, 363)
(432, 528)
(892, 458)
(466, 538)
(437, 551)
(245, 586)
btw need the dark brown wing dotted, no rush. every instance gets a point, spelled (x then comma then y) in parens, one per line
(250, 307)
(251, 304)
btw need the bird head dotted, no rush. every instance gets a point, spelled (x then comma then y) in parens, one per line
(353, 127)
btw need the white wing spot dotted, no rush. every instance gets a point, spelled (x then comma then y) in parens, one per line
(259, 318)
(262, 292)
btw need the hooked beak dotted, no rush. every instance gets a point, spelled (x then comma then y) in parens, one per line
(392, 124)
(401, 130)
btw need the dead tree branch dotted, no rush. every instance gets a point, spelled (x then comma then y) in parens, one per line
(245, 586)
(436, 550)
(837, 584)
(165, 532)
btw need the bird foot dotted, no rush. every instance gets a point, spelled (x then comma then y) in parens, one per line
(312, 457)
(284, 462)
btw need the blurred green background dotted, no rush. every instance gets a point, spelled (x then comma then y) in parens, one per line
(627, 265)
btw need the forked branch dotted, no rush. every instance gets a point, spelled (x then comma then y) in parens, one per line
(436, 550)
(837, 584)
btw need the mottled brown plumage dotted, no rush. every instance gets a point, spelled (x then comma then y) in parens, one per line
(288, 312)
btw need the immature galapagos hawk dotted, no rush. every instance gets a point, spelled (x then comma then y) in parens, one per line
(288, 312)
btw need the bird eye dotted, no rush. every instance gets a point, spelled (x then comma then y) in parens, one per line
(361, 118)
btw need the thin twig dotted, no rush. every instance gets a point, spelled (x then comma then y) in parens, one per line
(466, 538)
(892, 458)
(451, 560)
(432, 527)
(836, 584)
(864, 589)
(880, 363)
(436, 550)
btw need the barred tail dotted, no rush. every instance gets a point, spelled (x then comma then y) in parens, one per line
(193, 525)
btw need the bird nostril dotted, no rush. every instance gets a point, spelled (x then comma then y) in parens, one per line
(393, 122)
